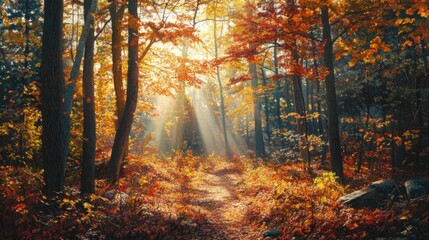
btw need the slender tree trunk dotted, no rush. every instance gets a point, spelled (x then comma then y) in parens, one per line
(267, 110)
(89, 136)
(222, 101)
(277, 91)
(116, 13)
(124, 128)
(259, 139)
(71, 84)
(247, 131)
(319, 108)
(178, 133)
(301, 120)
(52, 93)
(301, 110)
(27, 33)
(425, 95)
(333, 126)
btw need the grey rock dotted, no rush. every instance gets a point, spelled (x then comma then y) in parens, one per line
(386, 186)
(360, 198)
(417, 187)
(375, 194)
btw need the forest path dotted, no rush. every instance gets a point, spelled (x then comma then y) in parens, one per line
(219, 197)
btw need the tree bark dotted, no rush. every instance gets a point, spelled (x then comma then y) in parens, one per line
(117, 13)
(89, 135)
(333, 127)
(52, 93)
(124, 128)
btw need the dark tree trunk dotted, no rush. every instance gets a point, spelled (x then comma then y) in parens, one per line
(267, 110)
(116, 13)
(27, 33)
(259, 138)
(89, 136)
(52, 93)
(319, 108)
(277, 91)
(71, 84)
(124, 128)
(301, 120)
(301, 110)
(333, 127)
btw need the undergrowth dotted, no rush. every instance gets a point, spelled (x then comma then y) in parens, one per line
(156, 199)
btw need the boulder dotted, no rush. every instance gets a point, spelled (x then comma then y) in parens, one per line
(386, 186)
(373, 195)
(417, 187)
(360, 198)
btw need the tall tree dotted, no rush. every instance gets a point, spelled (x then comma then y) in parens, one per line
(117, 13)
(89, 136)
(124, 128)
(331, 98)
(259, 137)
(52, 94)
(222, 101)
(71, 84)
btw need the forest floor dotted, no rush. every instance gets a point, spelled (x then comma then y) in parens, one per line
(218, 196)
(194, 197)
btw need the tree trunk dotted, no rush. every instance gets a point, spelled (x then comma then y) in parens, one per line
(267, 110)
(116, 14)
(301, 110)
(259, 138)
(52, 93)
(124, 128)
(71, 84)
(222, 102)
(277, 91)
(319, 108)
(333, 127)
(89, 136)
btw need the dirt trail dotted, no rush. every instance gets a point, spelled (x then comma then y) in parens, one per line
(219, 194)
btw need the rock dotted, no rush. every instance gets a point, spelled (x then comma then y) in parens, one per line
(116, 196)
(387, 186)
(417, 187)
(360, 198)
(272, 233)
(373, 195)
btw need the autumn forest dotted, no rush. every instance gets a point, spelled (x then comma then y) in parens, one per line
(214, 119)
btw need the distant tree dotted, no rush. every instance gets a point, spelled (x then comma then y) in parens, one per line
(221, 96)
(259, 137)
